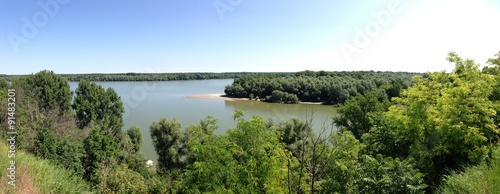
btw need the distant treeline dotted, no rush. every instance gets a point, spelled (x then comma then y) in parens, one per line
(160, 76)
(321, 86)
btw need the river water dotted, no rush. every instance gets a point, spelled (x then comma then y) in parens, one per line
(146, 102)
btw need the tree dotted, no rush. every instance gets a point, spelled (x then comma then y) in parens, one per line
(295, 134)
(101, 152)
(493, 69)
(131, 154)
(387, 175)
(166, 136)
(103, 107)
(447, 118)
(356, 115)
(135, 136)
(87, 102)
(3, 83)
(247, 159)
(52, 90)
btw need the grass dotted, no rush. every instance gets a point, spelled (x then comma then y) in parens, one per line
(35, 175)
(475, 179)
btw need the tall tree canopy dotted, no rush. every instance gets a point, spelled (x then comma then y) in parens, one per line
(447, 118)
(103, 107)
(52, 90)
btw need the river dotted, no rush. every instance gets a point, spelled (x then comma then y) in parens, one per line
(146, 102)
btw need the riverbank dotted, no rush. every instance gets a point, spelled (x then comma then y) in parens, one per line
(215, 96)
(224, 97)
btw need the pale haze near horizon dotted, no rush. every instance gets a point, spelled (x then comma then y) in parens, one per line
(234, 36)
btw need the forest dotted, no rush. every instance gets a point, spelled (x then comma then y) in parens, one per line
(398, 133)
(99, 77)
(324, 87)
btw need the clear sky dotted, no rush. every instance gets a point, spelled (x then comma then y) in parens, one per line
(70, 36)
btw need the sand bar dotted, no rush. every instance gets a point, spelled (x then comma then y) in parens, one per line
(214, 96)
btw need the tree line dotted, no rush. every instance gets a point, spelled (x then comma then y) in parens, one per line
(406, 143)
(100, 77)
(325, 87)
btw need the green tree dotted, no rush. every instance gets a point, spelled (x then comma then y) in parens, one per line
(356, 115)
(247, 159)
(166, 136)
(130, 151)
(103, 107)
(135, 136)
(388, 175)
(87, 102)
(52, 90)
(340, 171)
(101, 152)
(3, 83)
(448, 118)
(295, 135)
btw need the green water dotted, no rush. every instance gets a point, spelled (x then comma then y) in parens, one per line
(146, 102)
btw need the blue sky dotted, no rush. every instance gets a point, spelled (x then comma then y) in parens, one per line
(69, 36)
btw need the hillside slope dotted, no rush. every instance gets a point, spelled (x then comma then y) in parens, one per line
(34, 175)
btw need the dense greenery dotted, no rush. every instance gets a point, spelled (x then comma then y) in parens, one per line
(156, 76)
(395, 136)
(483, 178)
(325, 87)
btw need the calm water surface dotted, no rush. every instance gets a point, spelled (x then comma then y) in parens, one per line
(146, 102)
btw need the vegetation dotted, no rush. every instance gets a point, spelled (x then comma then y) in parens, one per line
(437, 133)
(34, 175)
(483, 178)
(325, 87)
(94, 77)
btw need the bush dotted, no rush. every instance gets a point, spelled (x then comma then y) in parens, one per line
(283, 97)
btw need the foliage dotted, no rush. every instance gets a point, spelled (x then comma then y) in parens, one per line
(131, 154)
(3, 83)
(446, 119)
(103, 107)
(483, 178)
(282, 97)
(167, 136)
(248, 159)
(121, 179)
(61, 151)
(295, 134)
(356, 114)
(310, 86)
(438, 123)
(340, 171)
(383, 139)
(388, 175)
(35, 175)
(159, 76)
(51, 90)
(353, 172)
(135, 136)
(100, 150)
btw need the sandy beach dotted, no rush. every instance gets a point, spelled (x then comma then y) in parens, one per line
(214, 96)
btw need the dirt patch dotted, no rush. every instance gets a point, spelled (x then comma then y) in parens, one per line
(23, 182)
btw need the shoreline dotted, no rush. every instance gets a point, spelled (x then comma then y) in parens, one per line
(224, 97)
(216, 96)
